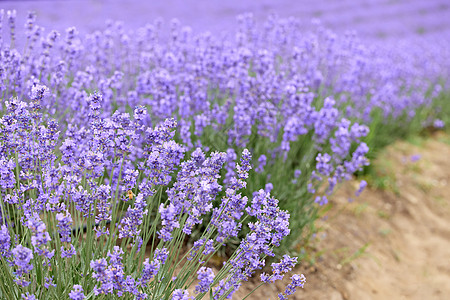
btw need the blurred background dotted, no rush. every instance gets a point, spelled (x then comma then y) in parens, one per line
(386, 19)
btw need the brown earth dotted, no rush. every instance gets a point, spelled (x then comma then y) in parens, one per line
(393, 242)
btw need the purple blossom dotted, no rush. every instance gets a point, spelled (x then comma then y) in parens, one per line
(129, 225)
(230, 166)
(68, 253)
(269, 229)
(282, 296)
(268, 187)
(102, 276)
(321, 200)
(103, 194)
(195, 248)
(279, 269)
(297, 281)
(151, 268)
(149, 271)
(438, 124)
(180, 294)
(7, 176)
(64, 225)
(362, 186)
(206, 278)
(5, 241)
(22, 258)
(323, 164)
(209, 247)
(169, 221)
(40, 237)
(415, 157)
(193, 192)
(116, 271)
(49, 282)
(262, 162)
(77, 293)
(28, 296)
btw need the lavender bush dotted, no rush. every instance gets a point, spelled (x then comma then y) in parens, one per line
(87, 189)
(226, 95)
(50, 192)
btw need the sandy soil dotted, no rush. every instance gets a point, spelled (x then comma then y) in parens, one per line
(393, 242)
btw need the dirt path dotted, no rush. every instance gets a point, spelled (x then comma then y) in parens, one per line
(393, 242)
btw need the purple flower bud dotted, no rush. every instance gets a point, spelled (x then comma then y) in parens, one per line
(180, 295)
(77, 293)
(206, 278)
(362, 186)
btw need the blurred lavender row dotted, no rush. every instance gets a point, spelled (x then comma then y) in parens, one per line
(387, 19)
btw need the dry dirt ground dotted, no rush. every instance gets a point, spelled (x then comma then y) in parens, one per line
(393, 242)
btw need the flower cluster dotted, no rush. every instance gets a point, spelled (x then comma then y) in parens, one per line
(74, 210)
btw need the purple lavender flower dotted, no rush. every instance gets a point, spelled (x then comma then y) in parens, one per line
(28, 296)
(268, 187)
(5, 241)
(11, 15)
(103, 194)
(438, 124)
(297, 281)
(323, 164)
(40, 237)
(22, 258)
(206, 278)
(161, 255)
(7, 176)
(169, 221)
(151, 268)
(362, 186)
(209, 247)
(321, 200)
(297, 174)
(77, 293)
(64, 223)
(262, 162)
(281, 296)
(149, 271)
(279, 269)
(269, 229)
(95, 102)
(49, 282)
(38, 92)
(102, 276)
(162, 159)
(415, 157)
(244, 167)
(230, 165)
(116, 271)
(231, 208)
(193, 192)
(180, 295)
(195, 247)
(68, 253)
(129, 225)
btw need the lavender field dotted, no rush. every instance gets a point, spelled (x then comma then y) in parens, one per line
(177, 149)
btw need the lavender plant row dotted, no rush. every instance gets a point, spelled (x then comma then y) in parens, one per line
(91, 179)
(72, 157)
